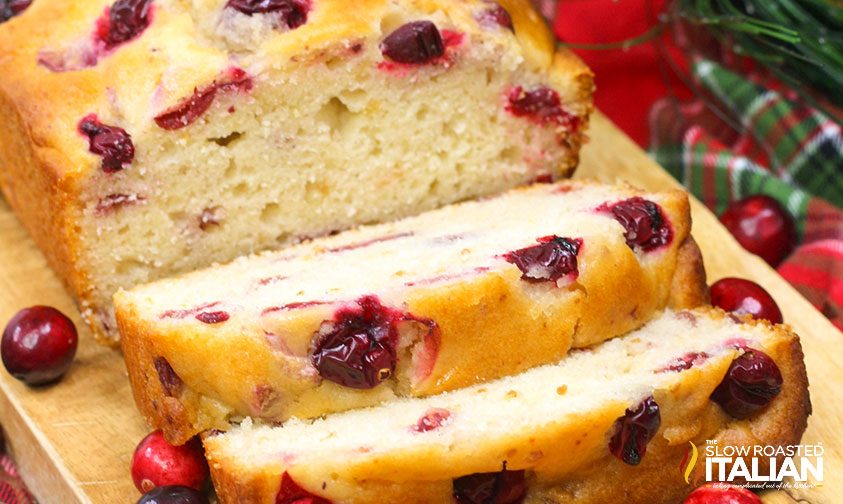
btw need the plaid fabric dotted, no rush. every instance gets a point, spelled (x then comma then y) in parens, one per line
(782, 147)
(12, 489)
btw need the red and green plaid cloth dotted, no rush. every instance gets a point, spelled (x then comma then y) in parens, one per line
(785, 148)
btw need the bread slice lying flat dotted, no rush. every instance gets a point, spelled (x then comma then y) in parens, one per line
(444, 300)
(584, 430)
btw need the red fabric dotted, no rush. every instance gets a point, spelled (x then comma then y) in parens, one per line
(630, 81)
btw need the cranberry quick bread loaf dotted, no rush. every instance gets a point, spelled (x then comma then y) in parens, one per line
(145, 138)
(609, 424)
(458, 295)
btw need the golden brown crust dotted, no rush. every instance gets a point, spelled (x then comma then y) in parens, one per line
(689, 288)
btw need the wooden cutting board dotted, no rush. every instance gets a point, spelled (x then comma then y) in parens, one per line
(74, 440)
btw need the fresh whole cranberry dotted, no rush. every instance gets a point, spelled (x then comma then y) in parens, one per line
(504, 487)
(291, 13)
(744, 297)
(112, 143)
(762, 226)
(12, 8)
(157, 463)
(173, 494)
(751, 383)
(721, 493)
(553, 258)
(644, 223)
(357, 348)
(126, 20)
(291, 493)
(414, 43)
(634, 430)
(38, 345)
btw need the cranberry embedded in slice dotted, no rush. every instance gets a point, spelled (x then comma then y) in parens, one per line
(551, 260)
(112, 143)
(38, 345)
(214, 317)
(291, 13)
(414, 43)
(432, 420)
(12, 8)
(173, 494)
(504, 487)
(541, 105)
(357, 348)
(644, 223)
(751, 383)
(170, 381)
(634, 430)
(744, 297)
(126, 20)
(191, 109)
(157, 463)
(687, 361)
(291, 493)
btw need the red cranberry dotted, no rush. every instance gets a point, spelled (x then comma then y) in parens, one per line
(432, 420)
(687, 361)
(291, 13)
(214, 317)
(745, 297)
(11, 8)
(721, 493)
(752, 381)
(292, 493)
(762, 226)
(495, 15)
(549, 261)
(541, 105)
(173, 494)
(505, 487)
(38, 345)
(634, 430)
(191, 109)
(414, 43)
(644, 223)
(170, 381)
(357, 348)
(157, 463)
(126, 20)
(112, 143)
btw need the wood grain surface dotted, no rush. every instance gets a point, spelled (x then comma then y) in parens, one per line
(74, 440)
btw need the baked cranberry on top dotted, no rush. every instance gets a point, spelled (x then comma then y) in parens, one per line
(289, 13)
(112, 143)
(125, 20)
(416, 42)
(12, 8)
(494, 15)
